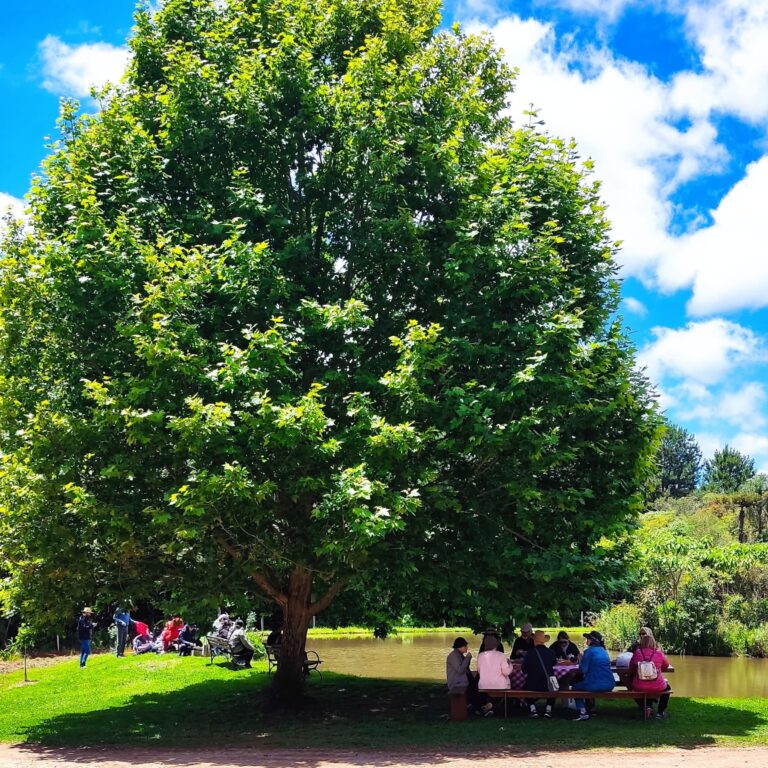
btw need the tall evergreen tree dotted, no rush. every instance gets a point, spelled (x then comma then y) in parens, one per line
(679, 460)
(728, 470)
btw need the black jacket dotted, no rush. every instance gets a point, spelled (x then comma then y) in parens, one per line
(537, 667)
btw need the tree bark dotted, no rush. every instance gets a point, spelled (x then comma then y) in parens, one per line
(298, 610)
(289, 678)
(741, 523)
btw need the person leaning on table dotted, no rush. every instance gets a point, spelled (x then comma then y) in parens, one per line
(522, 644)
(538, 666)
(564, 649)
(649, 651)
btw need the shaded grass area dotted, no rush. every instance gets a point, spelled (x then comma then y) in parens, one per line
(183, 702)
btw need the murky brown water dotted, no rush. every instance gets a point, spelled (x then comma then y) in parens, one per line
(422, 657)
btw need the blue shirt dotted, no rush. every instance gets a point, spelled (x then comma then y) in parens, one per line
(595, 665)
(122, 619)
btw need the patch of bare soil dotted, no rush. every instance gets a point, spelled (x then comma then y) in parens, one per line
(44, 660)
(122, 757)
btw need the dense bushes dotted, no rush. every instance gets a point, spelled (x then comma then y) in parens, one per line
(702, 591)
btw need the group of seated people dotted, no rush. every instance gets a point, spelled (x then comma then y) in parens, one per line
(176, 634)
(234, 632)
(537, 659)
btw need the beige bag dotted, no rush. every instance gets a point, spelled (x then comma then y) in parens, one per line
(646, 670)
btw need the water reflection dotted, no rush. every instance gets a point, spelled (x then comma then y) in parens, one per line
(422, 657)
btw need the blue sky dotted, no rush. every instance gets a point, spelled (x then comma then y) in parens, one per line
(670, 99)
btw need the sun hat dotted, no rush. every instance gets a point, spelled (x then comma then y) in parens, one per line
(459, 642)
(540, 637)
(87, 610)
(594, 635)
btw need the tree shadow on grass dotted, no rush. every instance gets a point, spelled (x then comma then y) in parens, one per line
(405, 720)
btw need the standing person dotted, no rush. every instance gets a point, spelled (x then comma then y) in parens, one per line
(85, 634)
(538, 667)
(122, 621)
(596, 672)
(647, 678)
(493, 669)
(242, 650)
(524, 643)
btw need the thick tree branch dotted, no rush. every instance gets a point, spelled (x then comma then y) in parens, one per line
(269, 590)
(327, 598)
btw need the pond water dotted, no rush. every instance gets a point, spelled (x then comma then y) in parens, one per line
(422, 657)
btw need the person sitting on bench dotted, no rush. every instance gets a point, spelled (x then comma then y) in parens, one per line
(493, 669)
(596, 672)
(242, 650)
(648, 678)
(538, 667)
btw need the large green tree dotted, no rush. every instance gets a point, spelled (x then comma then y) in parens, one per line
(679, 461)
(728, 470)
(302, 309)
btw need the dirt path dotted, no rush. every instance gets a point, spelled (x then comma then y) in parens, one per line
(704, 757)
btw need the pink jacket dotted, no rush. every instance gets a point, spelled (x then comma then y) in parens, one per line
(661, 662)
(494, 670)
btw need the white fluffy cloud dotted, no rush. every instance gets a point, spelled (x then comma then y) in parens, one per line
(731, 36)
(72, 70)
(726, 264)
(702, 353)
(619, 114)
(635, 306)
(649, 136)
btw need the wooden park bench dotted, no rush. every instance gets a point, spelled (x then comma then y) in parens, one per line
(513, 693)
(311, 663)
(219, 646)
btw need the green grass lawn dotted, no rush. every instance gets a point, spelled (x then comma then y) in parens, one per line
(151, 700)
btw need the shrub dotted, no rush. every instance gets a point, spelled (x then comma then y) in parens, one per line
(619, 625)
(757, 641)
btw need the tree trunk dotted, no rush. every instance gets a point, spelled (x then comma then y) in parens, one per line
(298, 610)
(289, 678)
(741, 523)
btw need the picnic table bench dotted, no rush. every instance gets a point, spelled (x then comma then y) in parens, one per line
(311, 663)
(516, 693)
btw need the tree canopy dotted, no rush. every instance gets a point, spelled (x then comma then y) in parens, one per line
(728, 470)
(301, 309)
(679, 461)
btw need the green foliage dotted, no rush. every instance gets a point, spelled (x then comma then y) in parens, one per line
(679, 460)
(728, 470)
(299, 310)
(619, 625)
